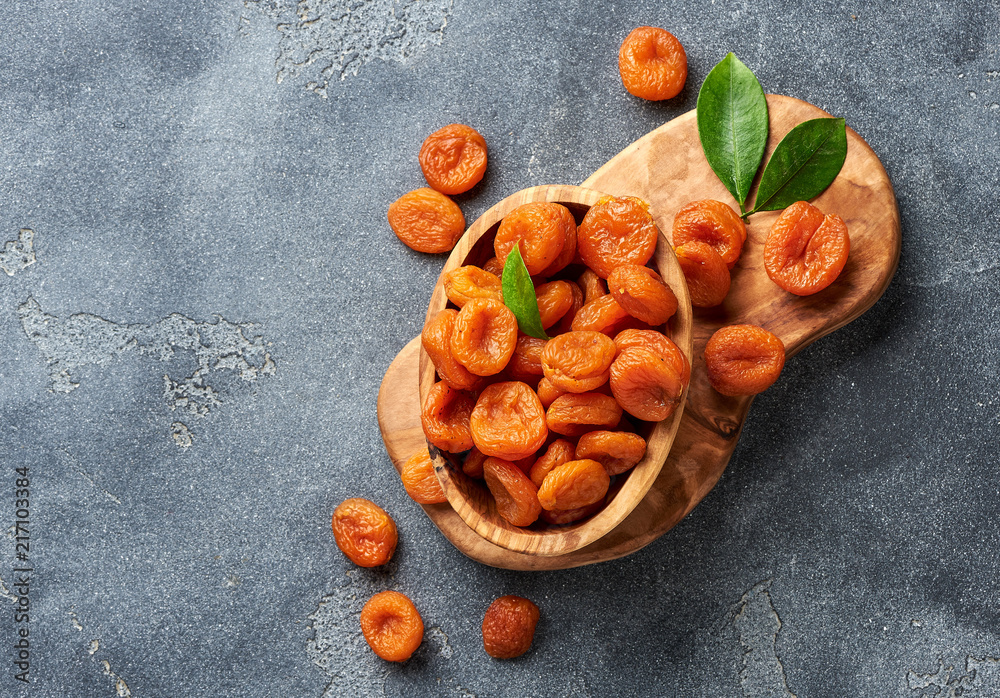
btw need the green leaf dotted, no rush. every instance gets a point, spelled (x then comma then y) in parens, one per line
(732, 124)
(805, 163)
(519, 295)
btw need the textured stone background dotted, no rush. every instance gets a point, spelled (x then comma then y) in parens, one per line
(189, 367)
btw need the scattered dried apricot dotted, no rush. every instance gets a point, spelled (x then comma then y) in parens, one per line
(574, 484)
(713, 223)
(453, 158)
(426, 220)
(364, 532)
(652, 63)
(642, 294)
(706, 274)
(559, 451)
(616, 230)
(508, 421)
(463, 284)
(539, 229)
(743, 359)
(575, 414)
(509, 627)
(392, 626)
(645, 384)
(420, 481)
(806, 251)
(436, 340)
(617, 451)
(516, 495)
(484, 337)
(445, 418)
(578, 362)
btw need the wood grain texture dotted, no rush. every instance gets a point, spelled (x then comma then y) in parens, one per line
(468, 497)
(667, 168)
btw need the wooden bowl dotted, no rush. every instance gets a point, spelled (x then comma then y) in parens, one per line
(470, 498)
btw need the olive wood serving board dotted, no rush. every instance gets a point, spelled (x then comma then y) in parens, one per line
(668, 169)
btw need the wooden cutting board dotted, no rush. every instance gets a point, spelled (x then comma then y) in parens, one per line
(668, 169)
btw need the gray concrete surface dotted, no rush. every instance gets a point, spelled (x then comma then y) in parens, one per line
(194, 327)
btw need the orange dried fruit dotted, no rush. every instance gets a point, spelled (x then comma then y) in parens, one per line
(603, 314)
(548, 392)
(713, 223)
(473, 463)
(516, 496)
(575, 414)
(463, 284)
(743, 359)
(593, 286)
(706, 274)
(575, 484)
(526, 362)
(484, 337)
(578, 362)
(642, 294)
(392, 626)
(616, 230)
(508, 421)
(453, 158)
(617, 451)
(420, 481)
(568, 516)
(805, 250)
(555, 298)
(445, 418)
(559, 451)
(652, 64)
(436, 340)
(509, 627)
(364, 532)
(493, 266)
(565, 323)
(659, 344)
(567, 255)
(539, 229)
(645, 384)
(426, 220)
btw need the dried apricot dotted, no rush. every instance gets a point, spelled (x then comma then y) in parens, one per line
(575, 414)
(509, 627)
(516, 496)
(616, 230)
(567, 516)
(706, 274)
(508, 421)
(565, 323)
(453, 158)
(642, 294)
(593, 286)
(547, 392)
(659, 344)
(364, 532)
(652, 63)
(493, 266)
(713, 223)
(567, 255)
(420, 481)
(539, 229)
(392, 626)
(559, 451)
(617, 451)
(426, 220)
(463, 284)
(445, 418)
(743, 359)
(645, 384)
(574, 484)
(555, 298)
(436, 340)
(805, 250)
(603, 314)
(578, 362)
(473, 463)
(484, 337)
(526, 362)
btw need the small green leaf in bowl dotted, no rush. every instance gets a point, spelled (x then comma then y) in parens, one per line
(519, 295)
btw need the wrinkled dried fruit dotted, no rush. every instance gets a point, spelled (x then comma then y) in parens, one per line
(565, 323)
(578, 362)
(568, 516)
(645, 384)
(508, 421)
(555, 298)
(743, 359)
(659, 344)
(575, 484)
(559, 451)
(593, 286)
(436, 340)
(539, 229)
(713, 223)
(652, 63)
(509, 627)
(805, 250)
(576, 414)
(706, 274)
(526, 362)
(516, 495)
(473, 463)
(603, 314)
(547, 392)
(392, 626)
(493, 266)
(364, 532)
(426, 220)
(453, 159)
(445, 418)
(465, 283)
(616, 231)
(420, 481)
(617, 451)
(642, 294)
(484, 337)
